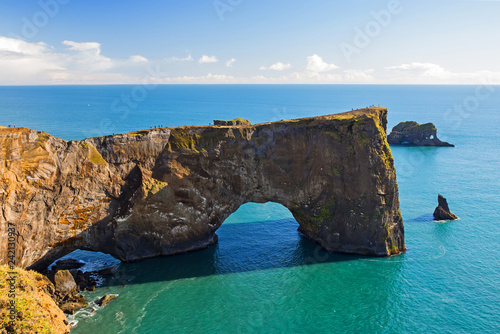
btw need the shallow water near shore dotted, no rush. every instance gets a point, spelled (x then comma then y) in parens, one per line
(263, 276)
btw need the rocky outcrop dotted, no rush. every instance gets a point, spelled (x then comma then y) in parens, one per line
(35, 310)
(66, 291)
(105, 300)
(236, 121)
(166, 191)
(64, 282)
(442, 211)
(412, 133)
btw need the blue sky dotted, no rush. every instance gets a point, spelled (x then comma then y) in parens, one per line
(243, 41)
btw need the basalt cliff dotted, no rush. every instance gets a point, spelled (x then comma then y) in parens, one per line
(166, 191)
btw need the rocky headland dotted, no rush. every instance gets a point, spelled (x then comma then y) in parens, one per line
(167, 190)
(34, 303)
(412, 133)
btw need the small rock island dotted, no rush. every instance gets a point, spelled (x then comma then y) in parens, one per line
(442, 211)
(412, 133)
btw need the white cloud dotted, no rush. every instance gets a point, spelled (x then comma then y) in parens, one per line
(138, 59)
(207, 59)
(205, 79)
(429, 73)
(86, 46)
(22, 62)
(12, 45)
(359, 75)
(279, 66)
(425, 69)
(88, 55)
(188, 58)
(316, 64)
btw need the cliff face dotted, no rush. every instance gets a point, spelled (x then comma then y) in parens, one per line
(168, 190)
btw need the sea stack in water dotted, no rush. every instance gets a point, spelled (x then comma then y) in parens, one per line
(412, 133)
(442, 211)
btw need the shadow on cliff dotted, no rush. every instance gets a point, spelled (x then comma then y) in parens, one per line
(242, 247)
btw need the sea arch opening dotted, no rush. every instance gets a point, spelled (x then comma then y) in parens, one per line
(255, 237)
(259, 236)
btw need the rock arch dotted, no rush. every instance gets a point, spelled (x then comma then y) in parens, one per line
(166, 191)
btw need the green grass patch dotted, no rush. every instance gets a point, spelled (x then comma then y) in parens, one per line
(31, 316)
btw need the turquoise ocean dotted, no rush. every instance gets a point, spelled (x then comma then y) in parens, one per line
(263, 276)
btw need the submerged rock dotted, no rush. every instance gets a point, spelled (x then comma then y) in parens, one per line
(412, 133)
(107, 271)
(442, 211)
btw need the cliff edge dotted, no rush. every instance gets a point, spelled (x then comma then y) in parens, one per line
(27, 305)
(165, 191)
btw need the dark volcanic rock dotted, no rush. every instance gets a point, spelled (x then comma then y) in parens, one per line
(67, 264)
(442, 211)
(166, 191)
(412, 133)
(84, 280)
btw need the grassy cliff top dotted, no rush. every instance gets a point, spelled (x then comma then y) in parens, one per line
(411, 126)
(36, 312)
(371, 112)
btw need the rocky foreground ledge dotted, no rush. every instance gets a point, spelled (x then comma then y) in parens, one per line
(166, 191)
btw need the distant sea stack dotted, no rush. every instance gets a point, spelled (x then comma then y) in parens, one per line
(412, 133)
(442, 211)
